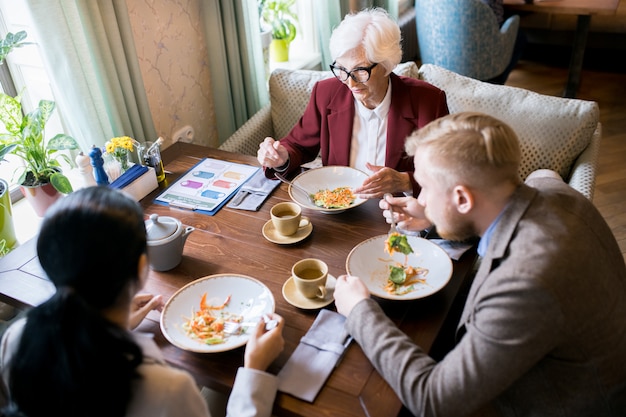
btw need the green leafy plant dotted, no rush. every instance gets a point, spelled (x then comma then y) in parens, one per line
(10, 42)
(278, 15)
(26, 135)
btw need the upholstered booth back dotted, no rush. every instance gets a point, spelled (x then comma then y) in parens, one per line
(556, 133)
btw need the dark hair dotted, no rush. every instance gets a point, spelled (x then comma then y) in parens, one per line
(72, 361)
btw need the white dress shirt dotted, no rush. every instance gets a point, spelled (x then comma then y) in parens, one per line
(369, 134)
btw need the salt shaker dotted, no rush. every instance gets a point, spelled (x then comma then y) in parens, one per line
(85, 170)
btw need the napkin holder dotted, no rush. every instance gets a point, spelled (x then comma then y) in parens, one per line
(137, 182)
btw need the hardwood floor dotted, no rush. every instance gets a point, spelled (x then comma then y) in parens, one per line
(608, 88)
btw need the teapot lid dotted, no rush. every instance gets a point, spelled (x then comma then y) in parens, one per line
(158, 228)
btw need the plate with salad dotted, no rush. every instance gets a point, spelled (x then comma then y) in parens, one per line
(331, 189)
(193, 318)
(400, 267)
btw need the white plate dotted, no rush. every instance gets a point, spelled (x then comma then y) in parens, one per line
(369, 261)
(250, 298)
(328, 177)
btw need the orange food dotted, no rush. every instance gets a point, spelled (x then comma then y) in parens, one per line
(205, 326)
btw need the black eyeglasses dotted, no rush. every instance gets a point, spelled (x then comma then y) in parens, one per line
(359, 74)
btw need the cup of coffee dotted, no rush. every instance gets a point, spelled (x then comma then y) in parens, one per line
(310, 275)
(287, 218)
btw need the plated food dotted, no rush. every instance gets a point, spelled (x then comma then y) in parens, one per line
(418, 267)
(331, 186)
(206, 324)
(194, 321)
(339, 198)
(403, 278)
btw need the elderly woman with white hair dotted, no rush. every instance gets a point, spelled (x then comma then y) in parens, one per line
(362, 116)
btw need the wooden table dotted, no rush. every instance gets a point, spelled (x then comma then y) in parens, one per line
(231, 242)
(584, 9)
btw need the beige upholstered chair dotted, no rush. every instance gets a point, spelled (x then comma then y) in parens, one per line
(555, 133)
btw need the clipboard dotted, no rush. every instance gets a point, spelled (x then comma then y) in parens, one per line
(207, 186)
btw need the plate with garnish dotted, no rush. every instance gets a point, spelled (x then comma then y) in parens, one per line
(400, 267)
(329, 189)
(193, 318)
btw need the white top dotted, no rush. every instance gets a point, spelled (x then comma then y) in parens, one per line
(369, 134)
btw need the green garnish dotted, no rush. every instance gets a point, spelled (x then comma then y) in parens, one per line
(399, 243)
(397, 275)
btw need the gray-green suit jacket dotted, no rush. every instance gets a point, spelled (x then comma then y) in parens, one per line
(543, 332)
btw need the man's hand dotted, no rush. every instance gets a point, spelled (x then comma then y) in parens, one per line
(408, 213)
(349, 291)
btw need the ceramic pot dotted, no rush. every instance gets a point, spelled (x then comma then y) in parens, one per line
(279, 50)
(7, 229)
(40, 197)
(166, 240)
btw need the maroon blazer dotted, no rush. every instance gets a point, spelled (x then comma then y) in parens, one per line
(326, 124)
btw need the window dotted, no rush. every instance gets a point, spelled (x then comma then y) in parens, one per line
(23, 72)
(304, 51)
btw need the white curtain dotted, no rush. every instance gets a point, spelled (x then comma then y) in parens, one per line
(233, 39)
(88, 50)
(329, 13)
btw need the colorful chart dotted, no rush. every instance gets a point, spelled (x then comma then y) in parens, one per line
(207, 186)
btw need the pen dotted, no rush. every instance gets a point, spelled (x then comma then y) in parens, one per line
(178, 204)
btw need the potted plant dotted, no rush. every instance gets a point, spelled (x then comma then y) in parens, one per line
(8, 238)
(278, 16)
(7, 230)
(41, 176)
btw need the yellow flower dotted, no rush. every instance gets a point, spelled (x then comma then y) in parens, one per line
(119, 147)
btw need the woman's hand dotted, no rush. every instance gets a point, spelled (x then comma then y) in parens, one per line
(141, 305)
(384, 180)
(407, 212)
(349, 291)
(264, 345)
(272, 154)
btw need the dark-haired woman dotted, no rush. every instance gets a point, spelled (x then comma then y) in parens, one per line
(74, 355)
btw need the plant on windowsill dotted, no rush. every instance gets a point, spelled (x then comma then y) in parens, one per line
(42, 167)
(278, 16)
(8, 238)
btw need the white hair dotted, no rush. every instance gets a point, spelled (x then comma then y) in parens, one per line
(374, 31)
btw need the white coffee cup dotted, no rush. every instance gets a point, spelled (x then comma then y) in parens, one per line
(287, 218)
(310, 276)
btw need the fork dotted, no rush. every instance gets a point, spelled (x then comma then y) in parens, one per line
(233, 327)
(293, 184)
(393, 228)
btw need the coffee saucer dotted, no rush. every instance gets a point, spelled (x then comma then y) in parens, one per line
(271, 234)
(293, 296)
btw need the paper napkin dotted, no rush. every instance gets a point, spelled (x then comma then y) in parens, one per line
(315, 357)
(130, 175)
(254, 192)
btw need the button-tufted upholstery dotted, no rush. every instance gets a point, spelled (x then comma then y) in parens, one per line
(556, 133)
